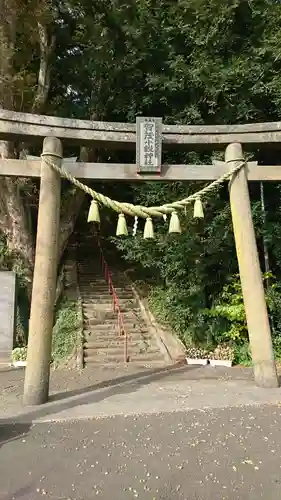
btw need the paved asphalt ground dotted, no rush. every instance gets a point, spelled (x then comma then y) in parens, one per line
(232, 453)
(119, 449)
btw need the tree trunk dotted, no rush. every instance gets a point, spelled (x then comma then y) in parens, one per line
(15, 221)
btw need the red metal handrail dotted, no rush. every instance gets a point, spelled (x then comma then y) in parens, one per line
(116, 305)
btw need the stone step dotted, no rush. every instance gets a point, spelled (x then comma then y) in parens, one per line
(119, 344)
(105, 327)
(91, 289)
(116, 340)
(100, 277)
(97, 265)
(134, 346)
(105, 306)
(98, 309)
(99, 317)
(119, 350)
(101, 282)
(92, 292)
(92, 279)
(103, 344)
(98, 325)
(117, 358)
(94, 296)
(102, 315)
(94, 285)
(102, 290)
(106, 345)
(108, 314)
(92, 268)
(105, 297)
(97, 305)
(113, 327)
(113, 335)
(111, 317)
(87, 277)
(105, 293)
(109, 330)
(104, 310)
(105, 315)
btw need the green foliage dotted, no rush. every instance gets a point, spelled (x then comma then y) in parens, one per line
(186, 269)
(186, 61)
(223, 323)
(65, 331)
(167, 309)
(277, 347)
(228, 313)
(243, 354)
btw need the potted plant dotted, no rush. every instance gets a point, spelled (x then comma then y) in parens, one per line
(223, 355)
(19, 356)
(196, 356)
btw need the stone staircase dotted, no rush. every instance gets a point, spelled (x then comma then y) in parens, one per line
(103, 344)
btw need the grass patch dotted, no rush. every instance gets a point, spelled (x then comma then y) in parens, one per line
(65, 330)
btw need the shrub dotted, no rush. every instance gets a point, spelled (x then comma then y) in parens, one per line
(224, 323)
(65, 330)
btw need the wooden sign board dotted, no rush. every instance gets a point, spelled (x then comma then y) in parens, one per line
(148, 145)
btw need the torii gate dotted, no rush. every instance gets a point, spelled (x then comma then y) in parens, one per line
(36, 127)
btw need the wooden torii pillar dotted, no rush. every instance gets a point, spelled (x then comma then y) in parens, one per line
(36, 383)
(25, 126)
(250, 273)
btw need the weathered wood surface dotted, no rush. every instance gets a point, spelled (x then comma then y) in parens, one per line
(24, 126)
(54, 121)
(127, 172)
(250, 274)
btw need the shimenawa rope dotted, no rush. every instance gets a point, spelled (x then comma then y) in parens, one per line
(140, 210)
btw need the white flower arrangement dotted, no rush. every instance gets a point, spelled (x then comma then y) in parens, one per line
(196, 355)
(223, 355)
(19, 356)
(223, 352)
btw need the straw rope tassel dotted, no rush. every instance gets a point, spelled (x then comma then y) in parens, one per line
(94, 215)
(198, 209)
(121, 229)
(148, 233)
(174, 226)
